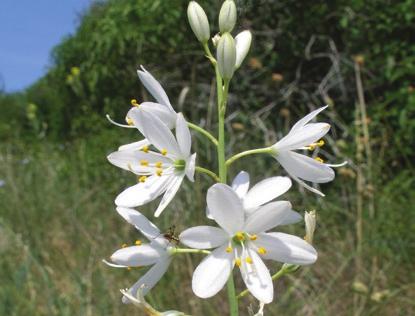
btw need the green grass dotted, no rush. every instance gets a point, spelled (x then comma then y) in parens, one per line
(57, 221)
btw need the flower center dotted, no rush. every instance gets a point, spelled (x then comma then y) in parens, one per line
(180, 164)
(313, 146)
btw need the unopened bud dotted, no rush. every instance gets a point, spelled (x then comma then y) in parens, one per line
(310, 226)
(226, 56)
(198, 21)
(227, 16)
(243, 43)
(215, 40)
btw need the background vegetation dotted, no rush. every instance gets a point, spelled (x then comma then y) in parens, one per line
(57, 219)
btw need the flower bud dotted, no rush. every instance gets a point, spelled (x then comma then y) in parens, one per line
(310, 226)
(198, 21)
(227, 16)
(226, 56)
(243, 43)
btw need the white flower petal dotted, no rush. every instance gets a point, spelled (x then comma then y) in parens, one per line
(131, 160)
(305, 167)
(269, 216)
(302, 137)
(140, 222)
(135, 146)
(212, 273)
(137, 256)
(183, 135)
(308, 187)
(257, 278)
(265, 191)
(158, 134)
(162, 112)
(307, 119)
(204, 237)
(171, 191)
(225, 207)
(150, 279)
(142, 193)
(286, 248)
(191, 167)
(242, 44)
(240, 183)
(154, 87)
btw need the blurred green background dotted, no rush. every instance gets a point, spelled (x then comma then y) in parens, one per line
(57, 215)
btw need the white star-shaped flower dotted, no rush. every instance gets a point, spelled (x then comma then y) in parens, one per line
(245, 242)
(160, 172)
(157, 253)
(304, 135)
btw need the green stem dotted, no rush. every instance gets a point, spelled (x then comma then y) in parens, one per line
(203, 132)
(213, 175)
(185, 250)
(266, 150)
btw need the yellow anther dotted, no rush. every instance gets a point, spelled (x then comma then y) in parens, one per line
(240, 236)
(238, 262)
(320, 143)
(249, 260)
(311, 147)
(159, 172)
(145, 149)
(164, 152)
(142, 179)
(129, 121)
(134, 103)
(319, 159)
(138, 242)
(144, 162)
(253, 237)
(124, 245)
(158, 164)
(262, 251)
(229, 249)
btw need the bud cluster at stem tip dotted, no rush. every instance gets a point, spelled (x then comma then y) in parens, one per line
(198, 21)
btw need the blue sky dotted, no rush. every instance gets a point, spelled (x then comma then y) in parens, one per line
(29, 29)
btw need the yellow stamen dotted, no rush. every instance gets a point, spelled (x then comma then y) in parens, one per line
(134, 103)
(164, 152)
(144, 162)
(142, 179)
(238, 262)
(262, 251)
(240, 236)
(145, 149)
(138, 243)
(129, 121)
(311, 147)
(320, 143)
(124, 245)
(158, 164)
(253, 237)
(159, 172)
(229, 249)
(249, 260)
(319, 159)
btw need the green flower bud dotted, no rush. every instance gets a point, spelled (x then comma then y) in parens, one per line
(198, 21)
(227, 16)
(226, 56)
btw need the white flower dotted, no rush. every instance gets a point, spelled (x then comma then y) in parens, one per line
(161, 172)
(304, 135)
(243, 43)
(260, 194)
(226, 56)
(243, 241)
(157, 253)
